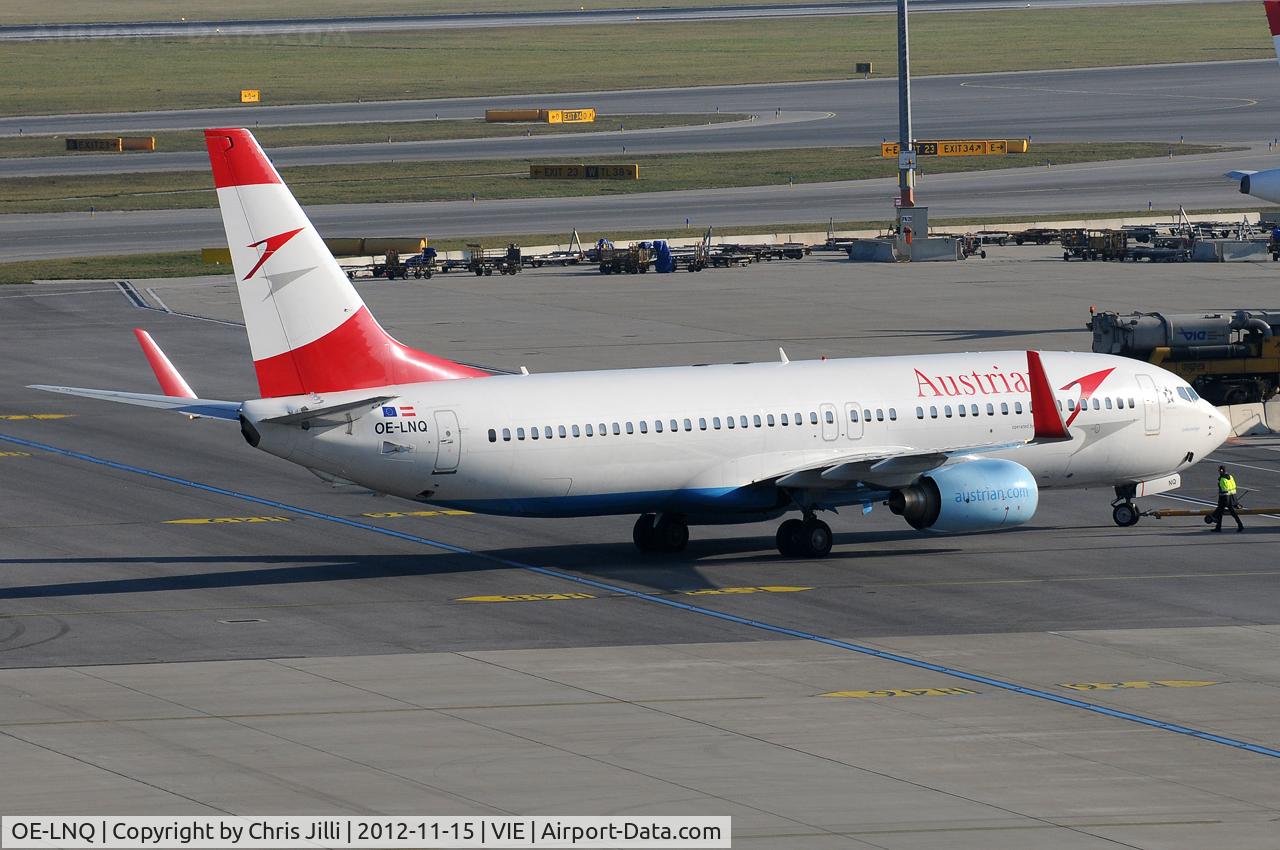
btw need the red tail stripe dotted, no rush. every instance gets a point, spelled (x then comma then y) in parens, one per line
(1273, 15)
(237, 160)
(356, 355)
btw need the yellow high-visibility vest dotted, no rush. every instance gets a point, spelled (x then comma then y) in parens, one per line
(1226, 485)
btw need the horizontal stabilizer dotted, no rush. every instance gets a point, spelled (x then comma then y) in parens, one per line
(178, 404)
(330, 413)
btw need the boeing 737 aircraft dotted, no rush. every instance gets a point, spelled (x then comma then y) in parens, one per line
(952, 443)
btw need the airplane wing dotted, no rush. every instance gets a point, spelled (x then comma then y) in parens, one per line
(178, 404)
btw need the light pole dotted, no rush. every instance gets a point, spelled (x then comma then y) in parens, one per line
(906, 155)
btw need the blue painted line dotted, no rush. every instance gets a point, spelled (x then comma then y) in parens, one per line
(760, 625)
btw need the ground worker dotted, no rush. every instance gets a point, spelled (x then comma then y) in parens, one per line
(1227, 500)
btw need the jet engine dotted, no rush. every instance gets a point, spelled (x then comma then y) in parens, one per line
(976, 495)
(1260, 184)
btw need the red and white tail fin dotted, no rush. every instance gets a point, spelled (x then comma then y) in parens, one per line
(309, 332)
(1273, 20)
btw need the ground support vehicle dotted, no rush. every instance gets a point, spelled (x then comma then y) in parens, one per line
(1037, 236)
(1094, 244)
(970, 244)
(484, 261)
(994, 237)
(1228, 357)
(635, 259)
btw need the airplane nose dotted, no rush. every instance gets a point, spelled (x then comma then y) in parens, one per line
(1219, 425)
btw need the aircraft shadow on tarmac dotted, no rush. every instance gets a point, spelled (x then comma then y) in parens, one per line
(971, 334)
(677, 572)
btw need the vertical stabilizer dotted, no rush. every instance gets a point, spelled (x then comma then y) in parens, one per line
(309, 332)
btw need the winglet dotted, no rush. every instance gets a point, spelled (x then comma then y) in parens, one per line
(171, 382)
(1044, 408)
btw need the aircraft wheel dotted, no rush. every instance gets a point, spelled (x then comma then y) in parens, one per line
(671, 534)
(788, 538)
(642, 533)
(1125, 514)
(815, 539)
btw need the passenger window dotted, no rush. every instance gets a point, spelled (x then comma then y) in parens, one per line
(879, 414)
(533, 432)
(688, 425)
(893, 414)
(973, 409)
(563, 432)
(769, 419)
(947, 411)
(603, 430)
(785, 419)
(616, 429)
(631, 429)
(798, 419)
(1071, 404)
(813, 417)
(702, 423)
(644, 427)
(657, 426)
(854, 416)
(1004, 408)
(675, 426)
(519, 433)
(933, 412)
(866, 415)
(728, 420)
(756, 419)
(829, 417)
(919, 413)
(546, 431)
(493, 436)
(1017, 407)
(506, 435)
(991, 409)
(742, 422)
(576, 432)
(1097, 405)
(715, 423)
(1108, 402)
(961, 410)
(590, 432)
(1131, 404)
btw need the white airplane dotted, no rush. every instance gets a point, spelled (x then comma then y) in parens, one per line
(1263, 184)
(952, 442)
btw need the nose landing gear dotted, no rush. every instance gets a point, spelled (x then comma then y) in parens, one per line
(804, 538)
(1125, 513)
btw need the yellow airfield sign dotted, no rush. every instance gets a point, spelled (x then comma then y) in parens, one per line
(960, 147)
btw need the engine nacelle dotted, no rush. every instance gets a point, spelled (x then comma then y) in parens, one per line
(1262, 184)
(977, 495)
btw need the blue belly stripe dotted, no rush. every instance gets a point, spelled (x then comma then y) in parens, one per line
(760, 625)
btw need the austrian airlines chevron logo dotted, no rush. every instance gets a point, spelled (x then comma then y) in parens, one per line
(1088, 385)
(273, 244)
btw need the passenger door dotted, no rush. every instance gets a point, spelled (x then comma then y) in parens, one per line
(853, 419)
(1150, 404)
(448, 441)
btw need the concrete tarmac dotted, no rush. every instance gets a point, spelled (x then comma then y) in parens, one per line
(285, 663)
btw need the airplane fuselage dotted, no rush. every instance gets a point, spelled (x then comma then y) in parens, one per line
(709, 442)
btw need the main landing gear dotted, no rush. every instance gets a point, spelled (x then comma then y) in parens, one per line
(660, 533)
(804, 538)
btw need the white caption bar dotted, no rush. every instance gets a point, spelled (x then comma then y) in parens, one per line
(285, 833)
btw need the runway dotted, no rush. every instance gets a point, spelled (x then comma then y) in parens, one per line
(483, 20)
(1195, 182)
(156, 658)
(1209, 102)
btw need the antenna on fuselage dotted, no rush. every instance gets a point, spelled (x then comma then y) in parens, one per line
(782, 355)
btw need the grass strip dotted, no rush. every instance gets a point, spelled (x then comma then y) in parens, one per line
(95, 11)
(372, 133)
(497, 179)
(189, 264)
(146, 74)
